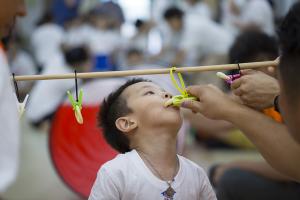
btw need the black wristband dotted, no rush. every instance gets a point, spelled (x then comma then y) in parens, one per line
(276, 104)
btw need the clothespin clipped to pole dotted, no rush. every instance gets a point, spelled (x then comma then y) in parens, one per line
(20, 105)
(230, 78)
(76, 104)
(179, 99)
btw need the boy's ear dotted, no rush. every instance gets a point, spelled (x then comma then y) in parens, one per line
(126, 124)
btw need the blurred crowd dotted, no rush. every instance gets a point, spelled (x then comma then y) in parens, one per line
(61, 36)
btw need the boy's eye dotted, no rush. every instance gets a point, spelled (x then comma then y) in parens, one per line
(149, 93)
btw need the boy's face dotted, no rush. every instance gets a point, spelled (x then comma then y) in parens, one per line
(146, 100)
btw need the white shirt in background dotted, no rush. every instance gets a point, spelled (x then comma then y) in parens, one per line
(105, 42)
(9, 133)
(46, 42)
(126, 177)
(79, 35)
(201, 9)
(23, 64)
(257, 12)
(203, 37)
(170, 42)
(47, 95)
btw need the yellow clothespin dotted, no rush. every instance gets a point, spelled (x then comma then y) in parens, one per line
(178, 99)
(77, 104)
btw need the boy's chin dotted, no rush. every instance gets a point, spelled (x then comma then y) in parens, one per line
(174, 121)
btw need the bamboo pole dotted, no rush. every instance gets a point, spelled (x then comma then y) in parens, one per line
(110, 74)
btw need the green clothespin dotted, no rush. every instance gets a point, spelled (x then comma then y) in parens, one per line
(179, 99)
(77, 104)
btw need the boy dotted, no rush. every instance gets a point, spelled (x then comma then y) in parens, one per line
(136, 123)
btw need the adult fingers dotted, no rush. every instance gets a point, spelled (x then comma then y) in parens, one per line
(196, 90)
(195, 106)
(236, 84)
(237, 92)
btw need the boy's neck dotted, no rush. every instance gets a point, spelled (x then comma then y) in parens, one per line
(159, 148)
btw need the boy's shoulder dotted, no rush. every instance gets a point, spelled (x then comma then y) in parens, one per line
(119, 163)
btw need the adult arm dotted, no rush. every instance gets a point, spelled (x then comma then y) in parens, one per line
(271, 138)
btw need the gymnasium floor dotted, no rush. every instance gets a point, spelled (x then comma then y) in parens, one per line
(37, 179)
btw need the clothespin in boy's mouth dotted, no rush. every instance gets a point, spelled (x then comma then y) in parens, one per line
(76, 104)
(20, 106)
(178, 99)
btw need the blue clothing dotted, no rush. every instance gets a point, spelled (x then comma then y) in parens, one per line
(62, 12)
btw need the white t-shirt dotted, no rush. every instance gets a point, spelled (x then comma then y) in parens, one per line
(126, 177)
(9, 123)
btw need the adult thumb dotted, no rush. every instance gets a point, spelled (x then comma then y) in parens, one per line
(248, 71)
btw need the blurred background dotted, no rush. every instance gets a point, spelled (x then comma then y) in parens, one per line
(60, 36)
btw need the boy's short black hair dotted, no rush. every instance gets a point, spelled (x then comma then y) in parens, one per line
(113, 107)
(173, 12)
(289, 38)
(250, 45)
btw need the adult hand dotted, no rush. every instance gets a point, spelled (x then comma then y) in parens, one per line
(213, 103)
(256, 89)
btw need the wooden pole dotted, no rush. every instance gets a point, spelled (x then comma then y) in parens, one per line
(110, 74)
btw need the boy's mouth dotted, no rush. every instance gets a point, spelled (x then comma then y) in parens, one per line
(168, 103)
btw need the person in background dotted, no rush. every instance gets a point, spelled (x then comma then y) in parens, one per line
(199, 8)
(171, 34)
(105, 41)
(195, 36)
(245, 15)
(141, 39)
(63, 10)
(46, 41)
(9, 120)
(21, 63)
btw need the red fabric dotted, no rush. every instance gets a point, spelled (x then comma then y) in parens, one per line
(77, 150)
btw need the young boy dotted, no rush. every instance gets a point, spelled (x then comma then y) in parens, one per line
(137, 124)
